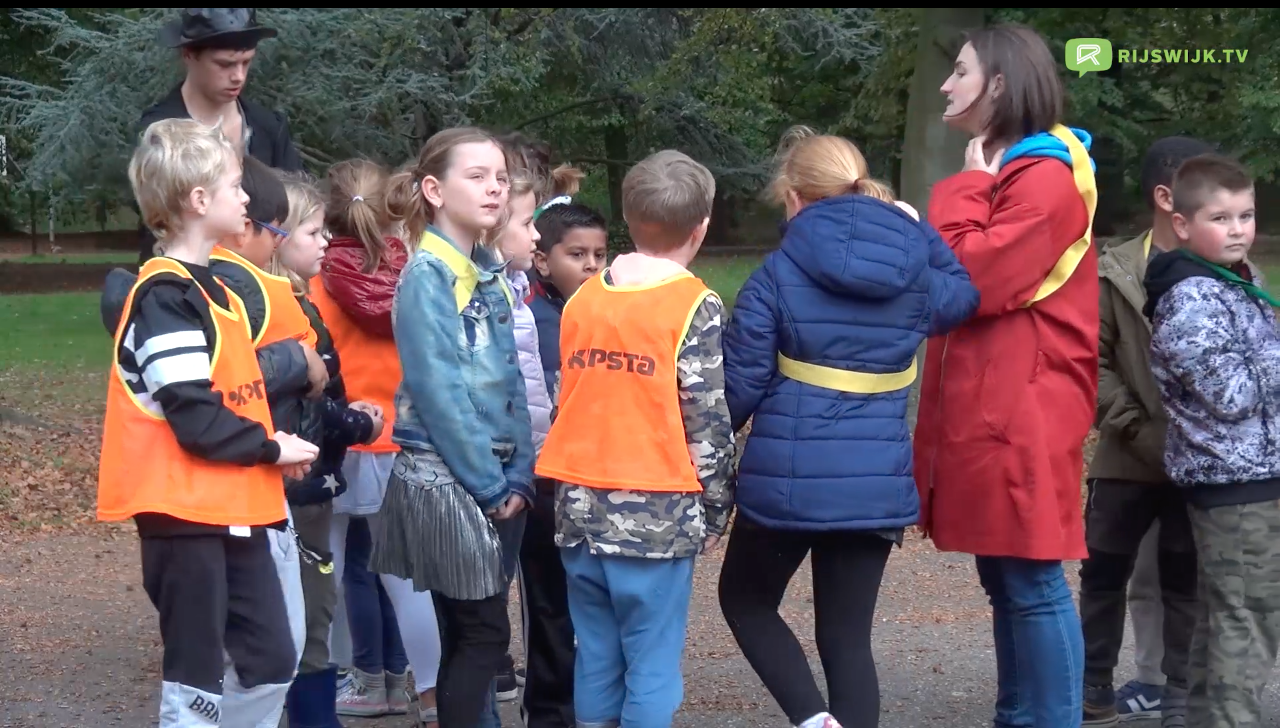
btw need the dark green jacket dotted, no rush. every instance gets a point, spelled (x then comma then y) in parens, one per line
(1130, 418)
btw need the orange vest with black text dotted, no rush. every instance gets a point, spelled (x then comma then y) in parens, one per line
(284, 317)
(619, 425)
(370, 364)
(143, 469)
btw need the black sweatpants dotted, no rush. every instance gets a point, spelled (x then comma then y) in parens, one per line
(847, 568)
(548, 630)
(216, 592)
(1118, 515)
(474, 635)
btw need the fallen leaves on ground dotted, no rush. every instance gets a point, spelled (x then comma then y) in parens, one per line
(50, 478)
(49, 456)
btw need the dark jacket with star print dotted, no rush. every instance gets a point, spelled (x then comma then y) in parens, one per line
(342, 427)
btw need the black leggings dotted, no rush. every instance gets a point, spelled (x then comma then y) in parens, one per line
(847, 567)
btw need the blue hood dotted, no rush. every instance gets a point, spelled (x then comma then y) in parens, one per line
(856, 245)
(1045, 144)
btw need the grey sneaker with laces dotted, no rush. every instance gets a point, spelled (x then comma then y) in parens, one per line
(397, 692)
(365, 696)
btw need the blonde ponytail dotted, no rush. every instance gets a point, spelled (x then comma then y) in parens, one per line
(818, 166)
(873, 188)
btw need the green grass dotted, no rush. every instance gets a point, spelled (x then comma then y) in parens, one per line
(75, 258)
(726, 275)
(60, 332)
(51, 332)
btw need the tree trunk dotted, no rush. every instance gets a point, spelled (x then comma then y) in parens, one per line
(930, 149)
(616, 149)
(35, 234)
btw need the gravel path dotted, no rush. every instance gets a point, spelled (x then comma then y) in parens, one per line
(79, 646)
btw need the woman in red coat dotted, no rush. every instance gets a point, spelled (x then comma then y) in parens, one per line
(1008, 399)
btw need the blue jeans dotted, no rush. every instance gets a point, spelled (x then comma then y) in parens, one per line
(511, 532)
(630, 616)
(375, 634)
(1039, 645)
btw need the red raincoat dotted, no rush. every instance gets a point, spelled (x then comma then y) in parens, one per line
(364, 297)
(1007, 400)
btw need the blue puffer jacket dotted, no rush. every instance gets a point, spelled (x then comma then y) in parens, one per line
(857, 285)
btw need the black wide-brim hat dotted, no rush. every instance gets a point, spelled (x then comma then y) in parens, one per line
(215, 26)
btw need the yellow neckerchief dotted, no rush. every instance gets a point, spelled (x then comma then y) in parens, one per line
(465, 271)
(1087, 185)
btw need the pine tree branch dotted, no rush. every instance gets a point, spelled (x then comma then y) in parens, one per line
(315, 156)
(566, 109)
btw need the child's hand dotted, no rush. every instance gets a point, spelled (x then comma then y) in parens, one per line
(375, 413)
(295, 451)
(709, 544)
(513, 505)
(369, 408)
(317, 372)
(377, 426)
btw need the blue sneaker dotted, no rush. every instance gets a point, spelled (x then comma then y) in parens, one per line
(1138, 701)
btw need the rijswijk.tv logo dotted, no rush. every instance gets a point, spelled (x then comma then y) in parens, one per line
(1086, 55)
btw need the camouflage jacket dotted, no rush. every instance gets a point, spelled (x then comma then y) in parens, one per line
(1215, 353)
(667, 525)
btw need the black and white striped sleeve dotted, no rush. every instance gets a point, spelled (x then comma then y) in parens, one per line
(164, 358)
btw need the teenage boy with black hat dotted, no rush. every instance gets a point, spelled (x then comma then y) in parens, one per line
(217, 47)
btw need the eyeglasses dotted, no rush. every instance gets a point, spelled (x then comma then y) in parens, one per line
(272, 228)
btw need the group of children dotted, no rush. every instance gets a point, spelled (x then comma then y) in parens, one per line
(1186, 465)
(575, 429)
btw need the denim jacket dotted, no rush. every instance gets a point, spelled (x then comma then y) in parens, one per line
(462, 394)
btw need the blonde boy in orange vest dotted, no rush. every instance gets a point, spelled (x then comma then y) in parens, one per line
(643, 449)
(187, 448)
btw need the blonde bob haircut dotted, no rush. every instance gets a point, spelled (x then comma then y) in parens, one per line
(305, 200)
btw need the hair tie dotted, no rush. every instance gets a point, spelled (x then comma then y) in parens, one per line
(561, 200)
(357, 198)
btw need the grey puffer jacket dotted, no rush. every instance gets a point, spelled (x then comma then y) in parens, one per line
(535, 382)
(1215, 354)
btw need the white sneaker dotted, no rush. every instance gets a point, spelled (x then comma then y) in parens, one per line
(821, 720)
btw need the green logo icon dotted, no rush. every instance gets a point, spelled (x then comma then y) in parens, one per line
(1088, 54)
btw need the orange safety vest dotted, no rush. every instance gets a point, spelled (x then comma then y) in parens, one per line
(619, 425)
(284, 317)
(370, 364)
(143, 469)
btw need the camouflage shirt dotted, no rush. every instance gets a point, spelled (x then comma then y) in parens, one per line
(649, 525)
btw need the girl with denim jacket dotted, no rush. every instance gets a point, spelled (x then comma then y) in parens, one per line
(354, 294)
(461, 417)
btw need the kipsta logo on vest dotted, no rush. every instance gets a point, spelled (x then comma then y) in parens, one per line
(613, 361)
(241, 395)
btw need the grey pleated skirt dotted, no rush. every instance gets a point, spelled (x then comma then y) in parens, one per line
(433, 533)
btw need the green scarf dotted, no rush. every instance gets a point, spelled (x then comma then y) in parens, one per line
(1251, 288)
